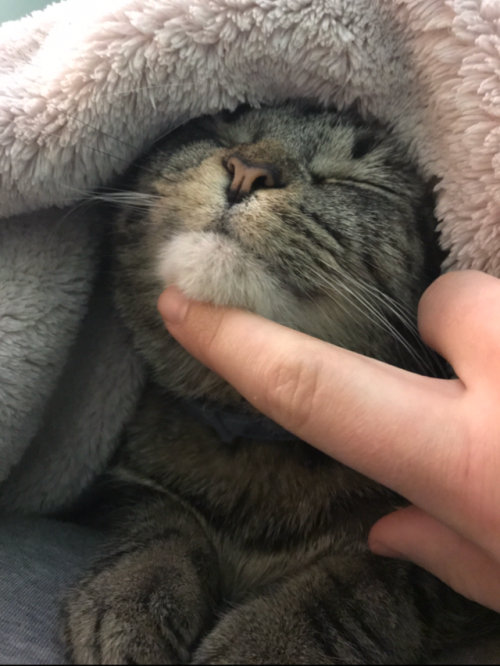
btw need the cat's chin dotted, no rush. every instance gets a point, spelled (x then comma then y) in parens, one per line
(211, 267)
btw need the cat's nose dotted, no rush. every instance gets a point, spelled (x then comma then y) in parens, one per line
(249, 176)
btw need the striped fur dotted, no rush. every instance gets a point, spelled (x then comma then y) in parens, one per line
(255, 552)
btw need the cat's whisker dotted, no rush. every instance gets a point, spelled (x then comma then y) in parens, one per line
(386, 301)
(403, 313)
(117, 190)
(379, 318)
(327, 292)
(402, 310)
(382, 319)
(121, 198)
(126, 199)
(327, 286)
(198, 474)
(413, 330)
(398, 311)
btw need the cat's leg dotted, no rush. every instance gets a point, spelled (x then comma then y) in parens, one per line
(359, 610)
(152, 597)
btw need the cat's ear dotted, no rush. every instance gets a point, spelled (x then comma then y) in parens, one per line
(232, 116)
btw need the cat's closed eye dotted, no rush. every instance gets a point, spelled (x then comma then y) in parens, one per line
(239, 543)
(311, 217)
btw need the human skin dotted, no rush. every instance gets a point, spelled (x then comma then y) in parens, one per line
(434, 441)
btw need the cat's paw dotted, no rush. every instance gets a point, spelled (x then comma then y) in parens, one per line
(255, 633)
(112, 618)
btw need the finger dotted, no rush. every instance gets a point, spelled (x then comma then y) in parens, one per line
(356, 409)
(459, 317)
(415, 535)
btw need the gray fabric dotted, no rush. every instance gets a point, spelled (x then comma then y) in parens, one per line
(86, 86)
(69, 377)
(96, 393)
(39, 560)
(47, 265)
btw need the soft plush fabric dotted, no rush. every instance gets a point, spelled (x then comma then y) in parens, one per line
(39, 560)
(86, 85)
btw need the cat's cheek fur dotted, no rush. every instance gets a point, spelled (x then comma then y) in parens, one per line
(254, 551)
(208, 266)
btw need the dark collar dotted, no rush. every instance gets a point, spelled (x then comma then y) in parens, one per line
(231, 423)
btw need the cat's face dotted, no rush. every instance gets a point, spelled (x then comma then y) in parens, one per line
(307, 217)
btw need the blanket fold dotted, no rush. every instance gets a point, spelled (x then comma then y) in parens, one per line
(86, 86)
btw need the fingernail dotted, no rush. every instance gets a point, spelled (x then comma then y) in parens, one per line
(173, 306)
(384, 550)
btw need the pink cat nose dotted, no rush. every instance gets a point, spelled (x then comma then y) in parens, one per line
(249, 176)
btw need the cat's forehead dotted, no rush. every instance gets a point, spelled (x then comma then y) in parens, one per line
(320, 143)
(303, 132)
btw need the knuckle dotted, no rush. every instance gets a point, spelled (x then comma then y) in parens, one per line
(292, 386)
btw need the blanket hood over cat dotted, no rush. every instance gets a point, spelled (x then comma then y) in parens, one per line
(86, 85)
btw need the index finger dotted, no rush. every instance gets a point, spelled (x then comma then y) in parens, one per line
(353, 408)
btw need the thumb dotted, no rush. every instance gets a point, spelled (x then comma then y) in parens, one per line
(414, 535)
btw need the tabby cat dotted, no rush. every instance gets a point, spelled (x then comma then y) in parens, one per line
(236, 542)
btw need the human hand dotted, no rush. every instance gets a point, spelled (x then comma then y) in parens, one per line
(434, 441)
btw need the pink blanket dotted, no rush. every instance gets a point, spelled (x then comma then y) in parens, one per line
(86, 85)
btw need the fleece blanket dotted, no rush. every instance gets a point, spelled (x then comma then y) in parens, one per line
(87, 85)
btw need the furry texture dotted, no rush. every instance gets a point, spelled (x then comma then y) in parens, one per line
(254, 550)
(85, 87)
(335, 250)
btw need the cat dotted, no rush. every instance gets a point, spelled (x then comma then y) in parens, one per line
(235, 542)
